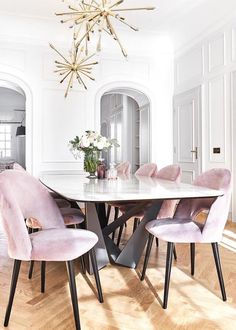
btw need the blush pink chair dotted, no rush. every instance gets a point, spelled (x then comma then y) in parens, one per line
(21, 197)
(148, 169)
(122, 169)
(183, 228)
(171, 173)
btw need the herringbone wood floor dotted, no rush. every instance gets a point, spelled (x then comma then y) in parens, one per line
(194, 303)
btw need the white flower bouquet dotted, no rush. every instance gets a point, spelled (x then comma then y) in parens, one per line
(90, 144)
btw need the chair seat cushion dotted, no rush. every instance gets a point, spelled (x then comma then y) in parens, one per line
(72, 216)
(61, 244)
(176, 230)
(62, 203)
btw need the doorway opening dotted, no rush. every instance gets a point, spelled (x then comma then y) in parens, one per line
(125, 115)
(12, 123)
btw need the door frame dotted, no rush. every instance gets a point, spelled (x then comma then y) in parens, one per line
(198, 92)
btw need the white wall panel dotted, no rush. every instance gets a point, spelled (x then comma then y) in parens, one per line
(216, 48)
(12, 58)
(233, 42)
(62, 120)
(217, 118)
(189, 66)
(127, 67)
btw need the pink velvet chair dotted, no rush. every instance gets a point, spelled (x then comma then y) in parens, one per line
(21, 197)
(122, 169)
(148, 169)
(170, 172)
(184, 228)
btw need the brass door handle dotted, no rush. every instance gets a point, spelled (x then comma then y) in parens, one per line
(195, 152)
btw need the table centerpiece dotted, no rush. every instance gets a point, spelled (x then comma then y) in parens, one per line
(91, 144)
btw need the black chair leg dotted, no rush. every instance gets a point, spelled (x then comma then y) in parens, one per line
(43, 269)
(108, 212)
(15, 273)
(149, 247)
(73, 292)
(169, 256)
(192, 253)
(216, 254)
(96, 274)
(136, 223)
(116, 213)
(31, 268)
(82, 263)
(157, 242)
(119, 235)
(174, 252)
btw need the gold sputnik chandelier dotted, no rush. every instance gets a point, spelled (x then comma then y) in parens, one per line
(74, 67)
(87, 18)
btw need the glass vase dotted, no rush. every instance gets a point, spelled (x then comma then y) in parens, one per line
(90, 163)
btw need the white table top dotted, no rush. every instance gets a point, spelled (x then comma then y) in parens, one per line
(79, 188)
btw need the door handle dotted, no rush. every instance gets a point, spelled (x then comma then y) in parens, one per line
(195, 152)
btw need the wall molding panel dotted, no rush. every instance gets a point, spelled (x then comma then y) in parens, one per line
(217, 119)
(217, 52)
(189, 67)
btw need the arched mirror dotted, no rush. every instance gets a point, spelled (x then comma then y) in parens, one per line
(125, 115)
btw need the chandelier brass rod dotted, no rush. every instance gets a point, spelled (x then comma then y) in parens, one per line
(116, 3)
(68, 86)
(59, 53)
(87, 75)
(91, 27)
(116, 36)
(81, 81)
(122, 21)
(65, 76)
(128, 9)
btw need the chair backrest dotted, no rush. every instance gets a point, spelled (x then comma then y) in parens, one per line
(123, 168)
(148, 169)
(218, 208)
(18, 167)
(172, 173)
(22, 196)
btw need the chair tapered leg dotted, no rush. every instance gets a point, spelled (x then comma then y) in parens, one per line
(149, 247)
(82, 263)
(192, 253)
(96, 274)
(73, 292)
(116, 213)
(15, 273)
(157, 242)
(169, 256)
(119, 235)
(174, 252)
(136, 222)
(43, 269)
(108, 212)
(31, 268)
(216, 254)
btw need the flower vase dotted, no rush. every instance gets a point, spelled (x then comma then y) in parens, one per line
(90, 163)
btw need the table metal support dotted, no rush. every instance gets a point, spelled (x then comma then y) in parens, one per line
(93, 224)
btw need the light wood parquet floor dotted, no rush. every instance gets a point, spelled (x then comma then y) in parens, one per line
(194, 303)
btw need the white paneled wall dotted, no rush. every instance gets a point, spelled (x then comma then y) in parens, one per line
(52, 121)
(210, 64)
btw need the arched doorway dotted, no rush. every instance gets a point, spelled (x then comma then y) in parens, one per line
(125, 115)
(21, 138)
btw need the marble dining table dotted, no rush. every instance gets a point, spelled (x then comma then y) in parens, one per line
(94, 193)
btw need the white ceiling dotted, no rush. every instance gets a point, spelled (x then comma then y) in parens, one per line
(181, 19)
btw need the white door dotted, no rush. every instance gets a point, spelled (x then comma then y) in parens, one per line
(187, 133)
